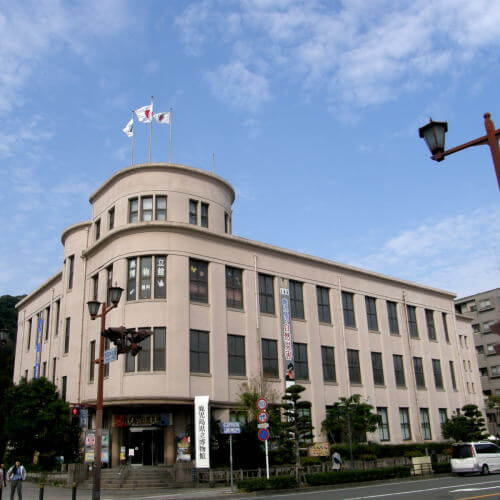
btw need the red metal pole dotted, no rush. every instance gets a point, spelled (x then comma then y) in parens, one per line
(493, 144)
(96, 486)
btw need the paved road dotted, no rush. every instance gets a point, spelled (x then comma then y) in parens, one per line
(444, 487)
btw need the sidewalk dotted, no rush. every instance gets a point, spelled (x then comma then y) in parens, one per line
(31, 492)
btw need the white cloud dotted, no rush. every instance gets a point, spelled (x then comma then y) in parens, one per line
(460, 253)
(362, 53)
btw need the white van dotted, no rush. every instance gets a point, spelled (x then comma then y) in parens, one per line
(482, 457)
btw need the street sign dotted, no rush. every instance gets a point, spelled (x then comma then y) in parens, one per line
(262, 404)
(230, 428)
(263, 426)
(263, 434)
(110, 355)
(84, 417)
(263, 417)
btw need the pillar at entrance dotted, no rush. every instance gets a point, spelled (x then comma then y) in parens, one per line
(169, 448)
(116, 442)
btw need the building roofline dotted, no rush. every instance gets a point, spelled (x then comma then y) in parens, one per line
(72, 228)
(464, 317)
(155, 225)
(40, 289)
(160, 166)
(473, 296)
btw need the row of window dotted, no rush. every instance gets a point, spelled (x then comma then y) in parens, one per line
(486, 327)
(45, 317)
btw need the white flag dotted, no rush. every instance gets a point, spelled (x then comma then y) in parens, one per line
(162, 117)
(129, 128)
(145, 114)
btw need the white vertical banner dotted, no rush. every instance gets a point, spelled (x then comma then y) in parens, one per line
(202, 426)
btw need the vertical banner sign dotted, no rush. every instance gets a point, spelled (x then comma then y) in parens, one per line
(286, 332)
(201, 422)
(38, 347)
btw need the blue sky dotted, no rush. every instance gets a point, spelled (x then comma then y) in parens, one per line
(311, 107)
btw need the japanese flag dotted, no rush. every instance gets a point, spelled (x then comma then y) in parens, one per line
(145, 114)
(162, 118)
(129, 128)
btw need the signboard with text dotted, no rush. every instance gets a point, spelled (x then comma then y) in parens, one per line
(202, 426)
(286, 333)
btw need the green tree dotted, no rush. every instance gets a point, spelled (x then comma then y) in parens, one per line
(296, 427)
(350, 418)
(465, 425)
(248, 395)
(37, 420)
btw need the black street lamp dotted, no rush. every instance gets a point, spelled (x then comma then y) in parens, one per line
(434, 134)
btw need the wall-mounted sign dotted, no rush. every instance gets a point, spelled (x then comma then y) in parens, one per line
(286, 333)
(319, 450)
(38, 347)
(230, 428)
(201, 422)
(158, 419)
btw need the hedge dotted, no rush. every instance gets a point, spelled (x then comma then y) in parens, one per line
(352, 476)
(389, 450)
(261, 483)
(441, 468)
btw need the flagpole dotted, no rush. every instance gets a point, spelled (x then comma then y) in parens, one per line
(151, 130)
(171, 121)
(132, 144)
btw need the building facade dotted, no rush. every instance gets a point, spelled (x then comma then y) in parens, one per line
(484, 309)
(214, 304)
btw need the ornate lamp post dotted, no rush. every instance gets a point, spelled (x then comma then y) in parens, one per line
(115, 293)
(434, 134)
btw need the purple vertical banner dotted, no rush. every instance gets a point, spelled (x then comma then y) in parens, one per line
(38, 347)
(286, 332)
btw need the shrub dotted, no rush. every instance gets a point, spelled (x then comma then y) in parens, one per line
(442, 468)
(348, 476)
(261, 483)
(367, 456)
(310, 461)
(413, 453)
(389, 450)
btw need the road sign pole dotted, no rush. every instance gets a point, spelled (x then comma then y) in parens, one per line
(267, 459)
(231, 459)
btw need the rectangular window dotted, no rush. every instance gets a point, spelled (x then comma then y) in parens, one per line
(445, 327)
(301, 364)
(296, 300)
(58, 313)
(453, 379)
(378, 368)
(204, 214)
(159, 346)
(160, 277)
(399, 372)
(71, 270)
(133, 210)
(226, 223)
(323, 299)
(26, 375)
(480, 349)
(54, 363)
(47, 323)
(383, 424)
(431, 328)
(425, 423)
(109, 283)
(199, 352)
(129, 362)
(412, 321)
(266, 294)
(419, 372)
(443, 416)
(95, 287)
(44, 369)
(328, 361)
(236, 355)
(348, 308)
(193, 212)
(131, 278)
(392, 314)
(270, 358)
(484, 304)
(354, 368)
(144, 356)
(66, 335)
(28, 343)
(198, 280)
(476, 328)
(145, 278)
(371, 313)
(234, 288)
(487, 325)
(404, 419)
(160, 208)
(438, 376)
(146, 208)
(111, 218)
(106, 366)
(490, 349)
(64, 387)
(91, 361)
(97, 229)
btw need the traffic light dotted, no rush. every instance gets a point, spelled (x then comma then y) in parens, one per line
(75, 412)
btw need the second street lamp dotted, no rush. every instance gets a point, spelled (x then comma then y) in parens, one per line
(115, 293)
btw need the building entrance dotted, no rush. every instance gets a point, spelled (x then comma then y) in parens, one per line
(147, 445)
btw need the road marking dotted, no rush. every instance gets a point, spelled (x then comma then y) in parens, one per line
(480, 496)
(473, 489)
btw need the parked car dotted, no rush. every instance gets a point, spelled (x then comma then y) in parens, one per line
(481, 457)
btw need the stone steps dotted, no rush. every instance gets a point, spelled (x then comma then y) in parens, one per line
(136, 478)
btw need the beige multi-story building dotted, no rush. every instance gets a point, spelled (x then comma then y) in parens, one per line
(484, 309)
(221, 309)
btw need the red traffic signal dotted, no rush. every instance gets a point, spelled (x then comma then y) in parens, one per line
(75, 411)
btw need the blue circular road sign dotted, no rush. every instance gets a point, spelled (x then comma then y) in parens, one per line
(263, 434)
